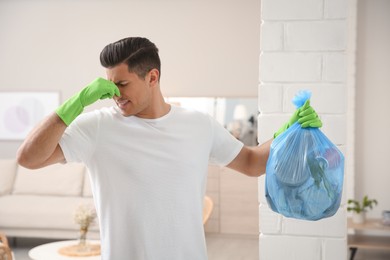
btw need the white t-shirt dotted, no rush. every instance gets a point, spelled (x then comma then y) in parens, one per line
(148, 178)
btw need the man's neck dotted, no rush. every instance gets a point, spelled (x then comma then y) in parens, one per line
(157, 108)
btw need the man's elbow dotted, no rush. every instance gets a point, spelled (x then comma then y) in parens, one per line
(255, 169)
(24, 159)
(255, 173)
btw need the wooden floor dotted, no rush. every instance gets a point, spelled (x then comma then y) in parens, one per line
(232, 247)
(218, 248)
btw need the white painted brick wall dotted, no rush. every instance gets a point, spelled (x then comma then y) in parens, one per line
(270, 98)
(270, 222)
(290, 67)
(329, 227)
(326, 98)
(289, 247)
(272, 36)
(300, 248)
(334, 66)
(268, 124)
(334, 249)
(315, 36)
(303, 46)
(335, 9)
(291, 9)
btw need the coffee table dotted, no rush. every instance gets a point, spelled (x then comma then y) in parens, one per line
(49, 251)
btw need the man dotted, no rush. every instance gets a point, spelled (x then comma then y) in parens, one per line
(147, 159)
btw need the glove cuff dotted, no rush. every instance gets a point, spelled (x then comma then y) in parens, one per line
(281, 130)
(70, 109)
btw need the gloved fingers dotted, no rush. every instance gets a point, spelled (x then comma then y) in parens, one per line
(312, 123)
(307, 118)
(305, 105)
(310, 120)
(117, 92)
(108, 95)
(294, 118)
(111, 90)
(309, 110)
(317, 123)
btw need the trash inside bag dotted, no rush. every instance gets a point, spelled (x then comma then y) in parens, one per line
(304, 173)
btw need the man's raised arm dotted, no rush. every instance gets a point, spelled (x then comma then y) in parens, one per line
(41, 147)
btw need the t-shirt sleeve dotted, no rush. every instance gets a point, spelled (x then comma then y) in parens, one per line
(79, 140)
(225, 147)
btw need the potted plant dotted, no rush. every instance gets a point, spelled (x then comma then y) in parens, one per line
(359, 208)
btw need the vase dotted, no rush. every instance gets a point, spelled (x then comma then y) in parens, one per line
(83, 236)
(359, 218)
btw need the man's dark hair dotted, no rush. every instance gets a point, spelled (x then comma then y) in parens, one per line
(140, 54)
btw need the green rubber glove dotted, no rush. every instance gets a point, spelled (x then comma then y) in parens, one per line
(308, 116)
(304, 115)
(97, 89)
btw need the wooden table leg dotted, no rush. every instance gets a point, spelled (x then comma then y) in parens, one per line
(353, 251)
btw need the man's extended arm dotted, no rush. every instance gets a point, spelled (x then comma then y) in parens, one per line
(252, 161)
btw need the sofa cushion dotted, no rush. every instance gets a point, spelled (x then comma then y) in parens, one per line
(41, 212)
(7, 175)
(56, 179)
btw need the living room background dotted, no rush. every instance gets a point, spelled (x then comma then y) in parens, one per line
(54, 46)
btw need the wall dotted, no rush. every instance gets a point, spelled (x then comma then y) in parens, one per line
(54, 45)
(372, 103)
(235, 209)
(304, 46)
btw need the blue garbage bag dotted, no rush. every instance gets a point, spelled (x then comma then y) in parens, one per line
(304, 172)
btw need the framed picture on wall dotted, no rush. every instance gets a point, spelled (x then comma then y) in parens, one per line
(21, 111)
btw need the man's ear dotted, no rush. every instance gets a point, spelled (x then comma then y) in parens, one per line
(154, 75)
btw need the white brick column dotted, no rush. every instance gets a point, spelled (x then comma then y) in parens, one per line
(304, 46)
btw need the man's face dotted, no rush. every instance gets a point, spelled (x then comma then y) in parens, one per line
(136, 92)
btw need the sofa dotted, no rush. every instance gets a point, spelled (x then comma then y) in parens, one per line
(41, 203)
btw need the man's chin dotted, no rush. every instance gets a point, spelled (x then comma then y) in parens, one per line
(125, 113)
